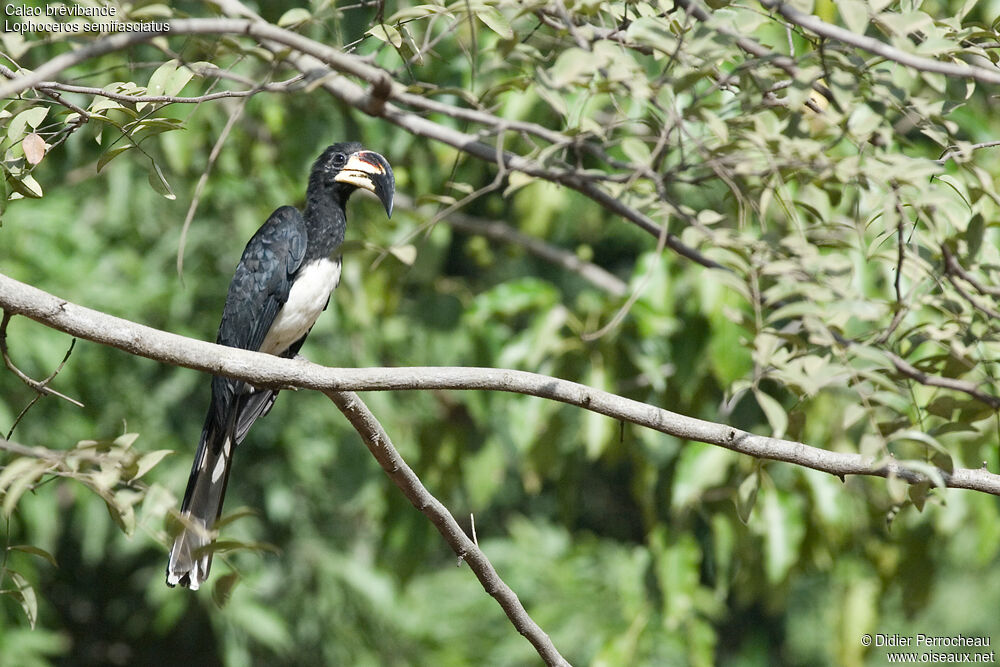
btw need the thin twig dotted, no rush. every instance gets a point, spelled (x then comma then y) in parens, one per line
(203, 181)
(952, 265)
(279, 87)
(973, 301)
(900, 249)
(40, 386)
(501, 231)
(955, 151)
(963, 386)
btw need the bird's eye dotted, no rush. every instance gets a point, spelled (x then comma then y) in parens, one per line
(339, 159)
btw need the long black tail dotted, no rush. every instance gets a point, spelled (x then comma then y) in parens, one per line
(189, 562)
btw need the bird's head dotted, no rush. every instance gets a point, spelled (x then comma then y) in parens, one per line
(353, 167)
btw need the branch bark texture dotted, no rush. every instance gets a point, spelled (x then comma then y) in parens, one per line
(268, 371)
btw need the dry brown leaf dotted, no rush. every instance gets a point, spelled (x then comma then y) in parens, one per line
(34, 148)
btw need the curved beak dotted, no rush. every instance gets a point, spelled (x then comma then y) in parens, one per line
(370, 171)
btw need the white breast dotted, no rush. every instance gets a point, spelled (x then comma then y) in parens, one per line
(306, 300)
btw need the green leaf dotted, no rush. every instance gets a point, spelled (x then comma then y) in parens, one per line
(176, 82)
(406, 254)
(120, 507)
(386, 33)
(159, 181)
(923, 438)
(28, 118)
(25, 595)
(636, 150)
(784, 528)
(261, 623)
(159, 78)
(35, 551)
(897, 488)
(110, 155)
(653, 32)
(294, 17)
(746, 496)
(918, 494)
(125, 440)
(599, 431)
(495, 21)
(16, 477)
(235, 515)
(222, 590)
(572, 65)
(855, 15)
(148, 461)
(156, 10)
(101, 104)
(931, 472)
(26, 185)
(700, 467)
(775, 413)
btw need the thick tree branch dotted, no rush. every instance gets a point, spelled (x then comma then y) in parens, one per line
(820, 27)
(269, 371)
(402, 475)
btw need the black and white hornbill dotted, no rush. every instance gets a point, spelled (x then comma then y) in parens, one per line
(282, 283)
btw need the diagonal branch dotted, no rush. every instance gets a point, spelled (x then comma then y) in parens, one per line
(41, 386)
(503, 232)
(381, 447)
(963, 386)
(820, 27)
(268, 371)
(953, 266)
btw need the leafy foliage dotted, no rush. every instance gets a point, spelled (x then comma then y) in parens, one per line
(848, 198)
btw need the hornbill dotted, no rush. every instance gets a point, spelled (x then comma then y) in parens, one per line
(282, 283)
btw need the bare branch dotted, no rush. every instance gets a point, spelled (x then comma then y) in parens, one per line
(268, 371)
(381, 447)
(956, 151)
(952, 266)
(36, 452)
(501, 231)
(963, 386)
(203, 181)
(820, 27)
(973, 301)
(277, 87)
(40, 386)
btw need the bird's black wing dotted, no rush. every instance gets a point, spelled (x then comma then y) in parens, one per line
(258, 291)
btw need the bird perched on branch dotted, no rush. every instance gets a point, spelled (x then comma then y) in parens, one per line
(282, 283)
